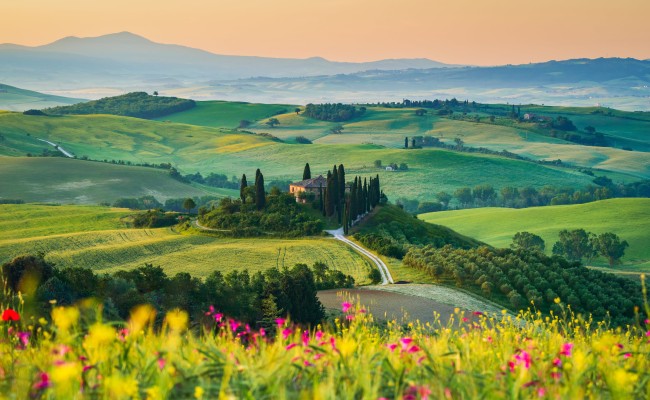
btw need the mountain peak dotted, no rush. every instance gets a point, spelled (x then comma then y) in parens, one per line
(116, 38)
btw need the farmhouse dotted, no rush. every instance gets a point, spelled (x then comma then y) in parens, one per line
(308, 187)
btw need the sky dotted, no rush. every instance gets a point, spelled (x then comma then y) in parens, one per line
(476, 32)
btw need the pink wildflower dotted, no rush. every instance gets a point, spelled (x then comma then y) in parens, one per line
(523, 358)
(319, 335)
(477, 313)
(286, 332)
(349, 317)
(465, 319)
(345, 306)
(541, 392)
(556, 375)
(305, 338)
(43, 382)
(218, 317)
(262, 332)
(234, 325)
(161, 363)
(280, 321)
(627, 355)
(290, 346)
(413, 349)
(318, 356)
(447, 393)
(362, 311)
(23, 337)
(557, 362)
(405, 342)
(566, 349)
(392, 346)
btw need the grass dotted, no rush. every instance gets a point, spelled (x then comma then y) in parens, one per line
(194, 148)
(226, 114)
(63, 180)
(15, 99)
(628, 218)
(490, 356)
(96, 238)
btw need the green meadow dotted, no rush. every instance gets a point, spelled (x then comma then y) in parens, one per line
(628, 218)
(203, 149)
(64, 180)
(98, 238)
(16, 99)
(226, 114)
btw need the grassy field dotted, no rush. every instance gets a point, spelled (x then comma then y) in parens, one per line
(226, 114)
(388, 127)
(628, 218)
(15, 99)
(63, 180)
(194, 148)
(96, 238)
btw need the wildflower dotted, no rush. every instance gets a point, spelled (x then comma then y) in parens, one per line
(305, 338)
(290, 346)
(566, 349)
(99, 335)
(140, 317)
(153, 393)
(557, 362)
(23, 338)
(65, 317)
(234, 325)
(121, 387)
(198, 392)
(177, 320)
(10, 315)
(345, 306)
(218, 317)
(541, 392)
(280, 322)
(43, 381)
(285, 333)
(556, 375)
(523, 358)
(413, 349)
(161, 363)
(349, 317)
(392, 346)
(556, 300)
(66, 373)
(627, 355)
(319, 335)
(262, 332)
(477, 313)
(405, 342)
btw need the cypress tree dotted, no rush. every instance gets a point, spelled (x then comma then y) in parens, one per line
(260, 195)
(257, 174)
(353, 200)
(242, 188)
(329, 205)
(335, 199)
(406, 142)
(306, 174)
(346, 219)
(366, 203)
(341, 178)
(320, 199)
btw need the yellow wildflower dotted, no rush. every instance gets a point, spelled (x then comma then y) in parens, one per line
(65, 317)
(177, 320)
(198, 392)
(119, 387)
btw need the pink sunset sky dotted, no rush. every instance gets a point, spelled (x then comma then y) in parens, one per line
(479, 32)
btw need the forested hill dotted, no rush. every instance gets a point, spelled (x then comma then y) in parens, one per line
(135, 104)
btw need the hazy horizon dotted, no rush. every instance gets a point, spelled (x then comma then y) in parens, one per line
(462, 32)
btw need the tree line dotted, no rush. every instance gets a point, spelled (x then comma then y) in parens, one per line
(135, 104)
(334, 112)
(256, 299)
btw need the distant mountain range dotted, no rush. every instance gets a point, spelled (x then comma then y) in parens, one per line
(122, 62)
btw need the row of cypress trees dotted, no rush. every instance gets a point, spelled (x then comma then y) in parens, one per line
(260, 194)
(363, 198)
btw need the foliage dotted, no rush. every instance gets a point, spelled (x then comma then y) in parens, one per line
(610, 246)
(527, 241)
(333, 112)
(154, 219)
(574, 245)
(34, 112)
(147, 202)
(390, 231)
(303, 140)
(520, 277)
(189, 204)
(474, 355)
(280, 215)
(135, 104)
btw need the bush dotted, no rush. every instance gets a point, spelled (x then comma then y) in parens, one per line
(303, 140)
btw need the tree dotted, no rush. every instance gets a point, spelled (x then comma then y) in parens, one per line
(242, 188)
(260, 194)
(406, 142)
(444, 198)
(272, 122)
(610, 246)
(297, 110)
(23, 273)
(244, 123)
(484, 194)
(155, 93)
(377, 163)
(527, 241)
(574, 245)
(306, 173)
(329, 195)
(337, 129)
(420, 112)
(464, 196)
(189, 204)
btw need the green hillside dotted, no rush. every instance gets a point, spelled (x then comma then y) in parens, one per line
(63, 180)
(628, 218)
(226, 114)
(97, 238)
(15, 99)
(389, 126)
(204, 149)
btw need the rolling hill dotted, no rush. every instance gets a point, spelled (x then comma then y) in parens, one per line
(98, 238)
(203, 149)
(63, 180)
(16, 99)
(628, 218)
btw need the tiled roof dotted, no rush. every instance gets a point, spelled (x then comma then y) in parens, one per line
(312, 183)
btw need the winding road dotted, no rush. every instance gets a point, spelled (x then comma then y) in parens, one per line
(386, 277)
(59, 148)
